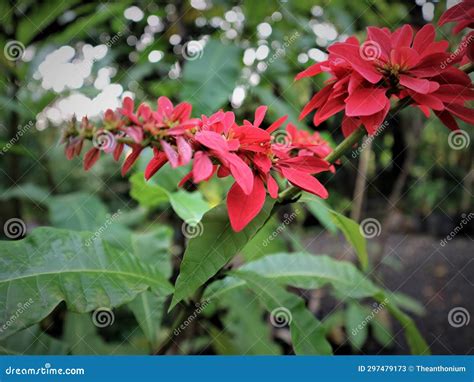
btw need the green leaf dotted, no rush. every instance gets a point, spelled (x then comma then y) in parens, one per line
(351, 232)
(27, 192)
(381, 329)
(77, 211)
(413, 337)
(148, 194)
(408, 303)
(53, 265)
(206, 254)
(307, 333)
(308, 271)
(356, 324)
(32, 341)
(83, 338)
(320, 210)
(302, 270)
(189, 206)
(148, 309)
(210, 78)
(243, 322)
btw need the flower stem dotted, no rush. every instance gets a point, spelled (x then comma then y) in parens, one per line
(288, 195)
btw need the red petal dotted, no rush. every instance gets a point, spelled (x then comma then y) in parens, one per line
(305, 182)
(318, 99)
(91, 157)
(244, 208)
(275, 125)
(171, 153)
(352, 55)
(349, 125)
(447, 119)
(418, 84)
(241, 172)
(365, 102)
(202, 167)
(155, 164)
(185, 151)
(311, 71)
(130, 160)
(118, 151)
(308, 164)
(211, 140)
(424, 37)
(259, 115)
(272, 186)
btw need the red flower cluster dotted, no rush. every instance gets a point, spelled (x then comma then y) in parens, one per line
(364, 77)
(463, 15)
(214, 145)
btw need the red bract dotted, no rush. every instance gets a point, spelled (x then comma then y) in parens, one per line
(214, 145)
(399, 64)
(462, 15)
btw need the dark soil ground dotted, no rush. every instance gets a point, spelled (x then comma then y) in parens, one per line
(440, 277)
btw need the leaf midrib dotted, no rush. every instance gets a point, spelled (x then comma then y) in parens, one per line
(133, 275)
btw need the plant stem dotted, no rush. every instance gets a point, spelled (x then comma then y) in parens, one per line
(292, 192)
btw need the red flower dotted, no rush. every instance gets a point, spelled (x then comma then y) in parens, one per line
(365, 77)
(462, 14)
